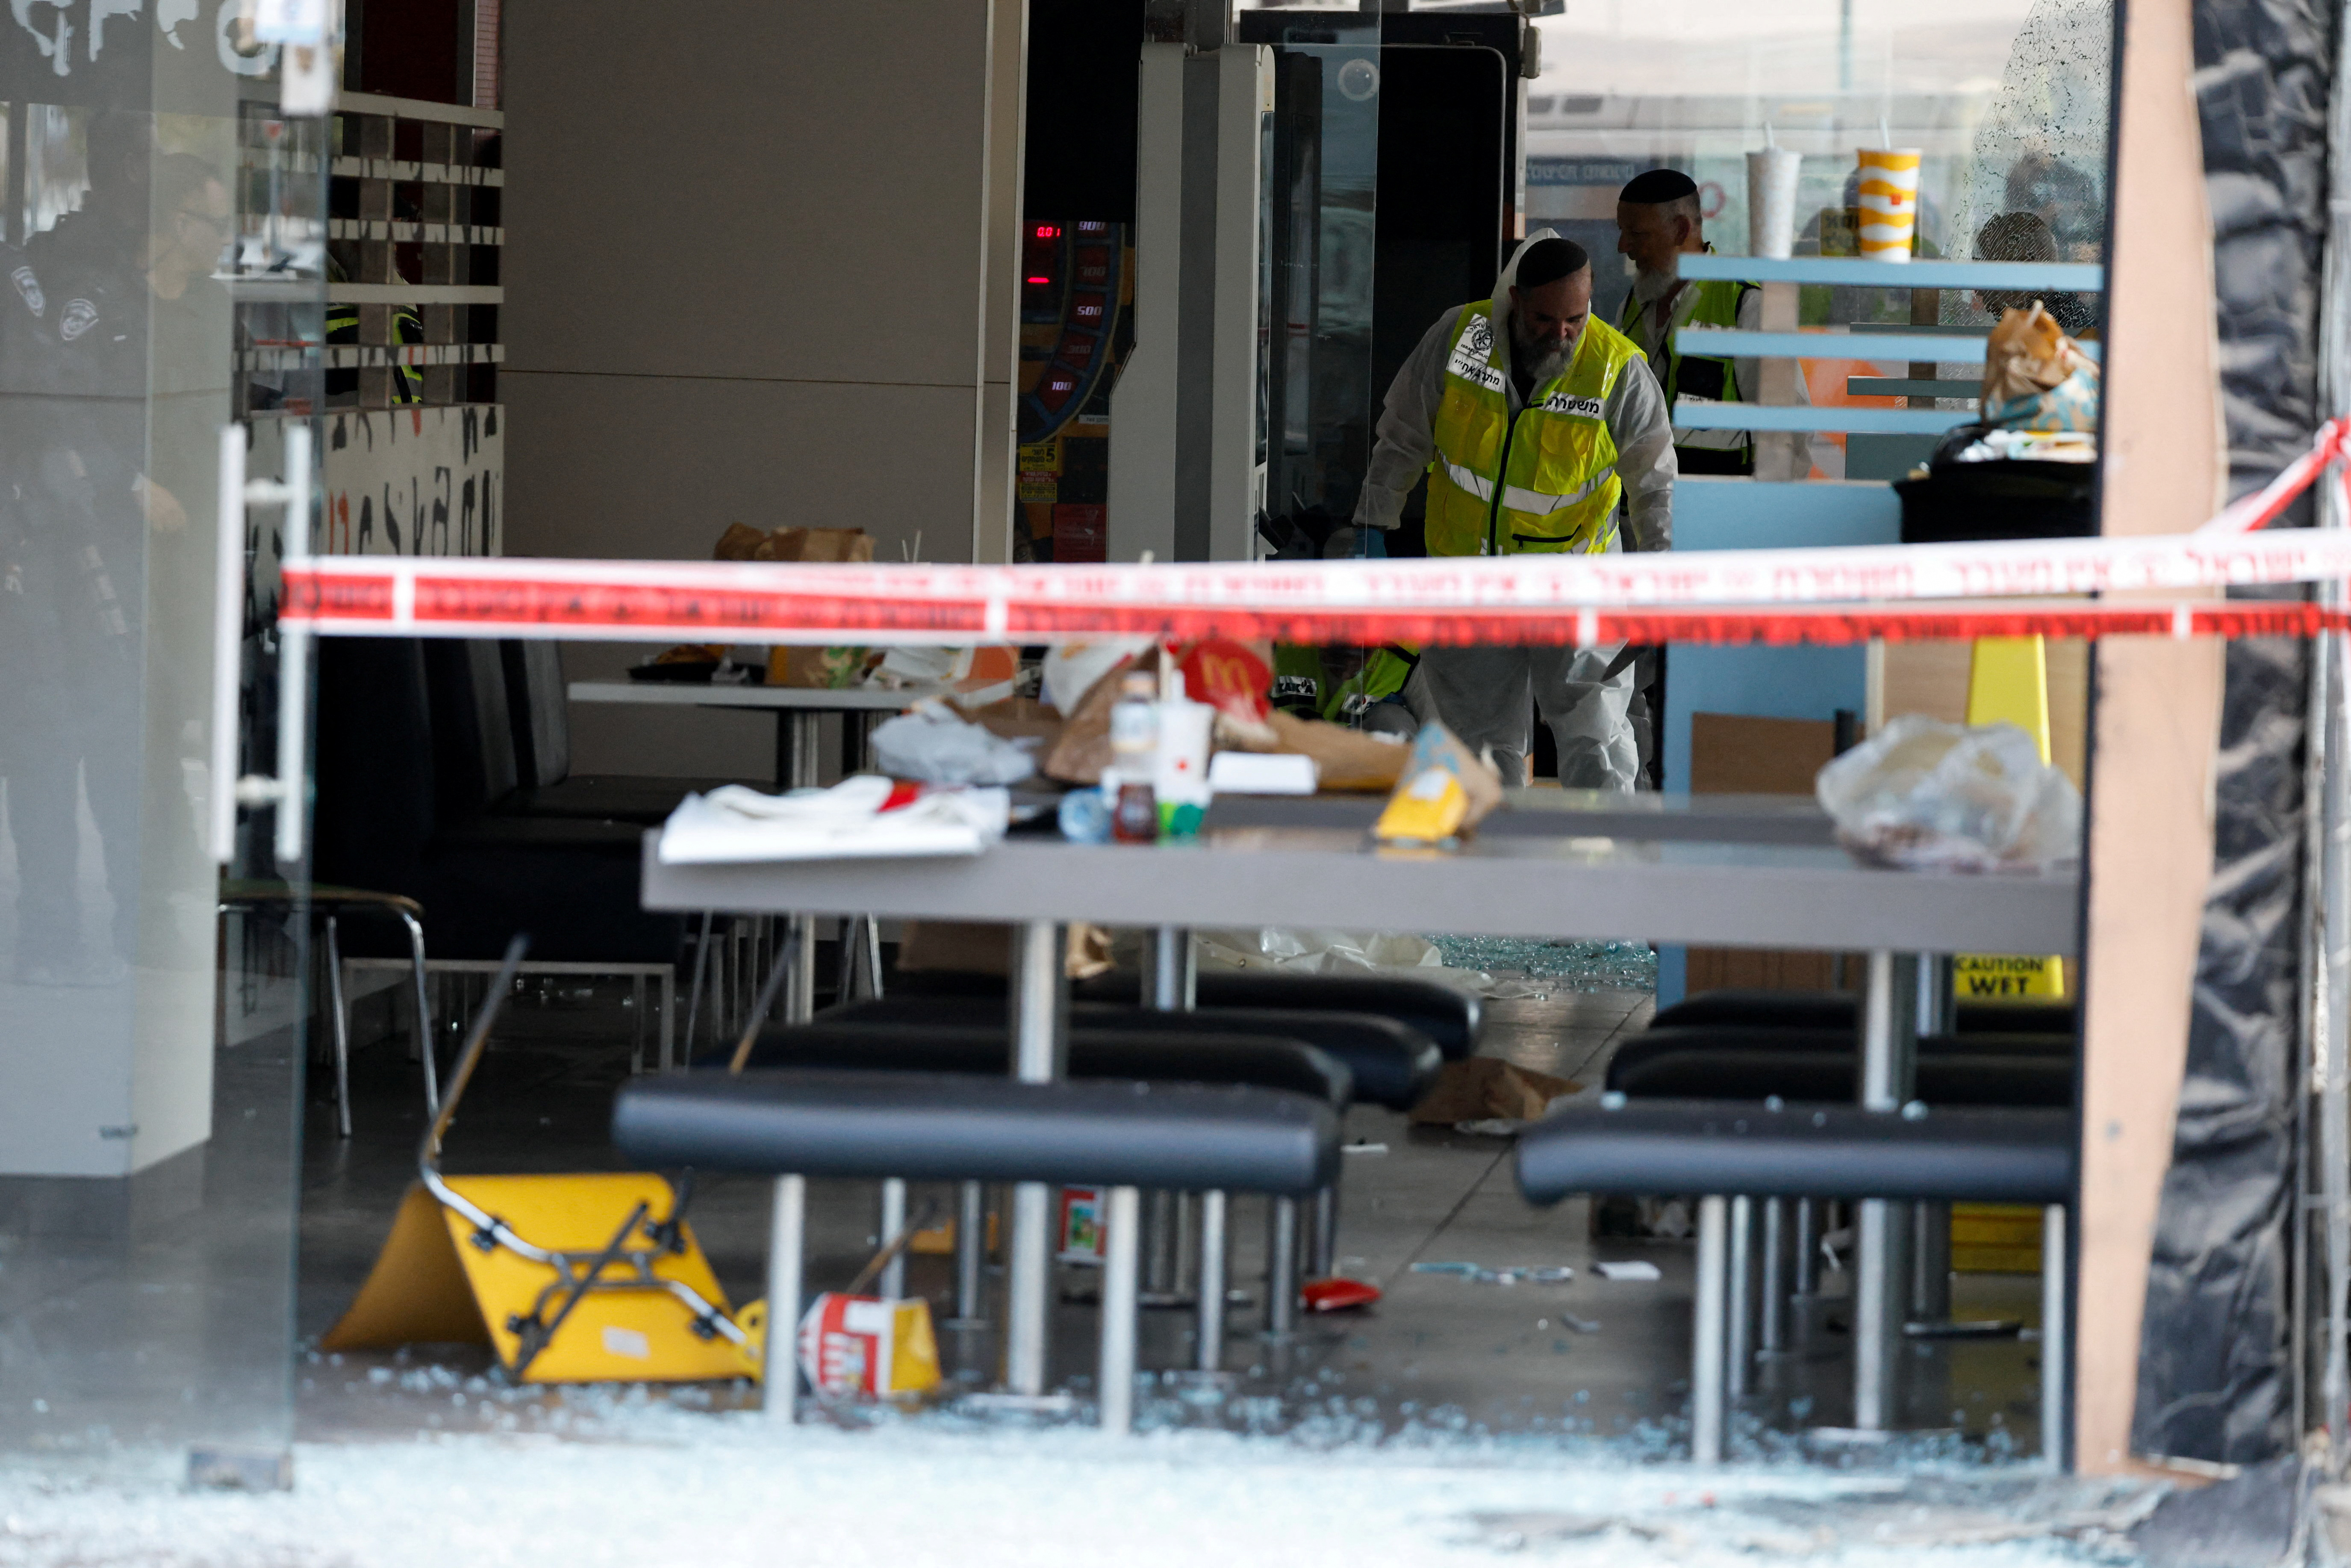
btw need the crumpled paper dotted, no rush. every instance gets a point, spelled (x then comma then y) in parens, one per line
(862, 817)
(1927, 795)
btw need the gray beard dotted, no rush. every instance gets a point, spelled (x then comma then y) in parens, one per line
(1540, 363)
(1648, 287)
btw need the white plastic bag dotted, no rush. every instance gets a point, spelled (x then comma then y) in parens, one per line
(1925, 795)
(931, 745)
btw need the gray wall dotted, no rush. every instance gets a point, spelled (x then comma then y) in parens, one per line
(746, 257)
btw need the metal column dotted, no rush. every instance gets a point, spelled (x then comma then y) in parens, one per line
(1772, 1329)
(1039, 1043)
(893, 1282)
(787, 1235)
(1211, 1338)
(800, 993)
(971, 1254)
(1888, 1040)
(1119, 1252)
(1739, 1309)
(1706, 1404)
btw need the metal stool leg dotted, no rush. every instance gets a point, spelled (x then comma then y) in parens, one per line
(1707, 1401)
(636, 1025)
(1323, 1260)
(423, 1014)
(1930, 1262)
(1808, 1246)
(1875, 1234)
(1213, 1258)
(971, 1253)
(892, 1282)
(1122, 1251)
(1281, 1267)
(1159, 1243)
(1740, 1310)
(1771, 1335)
(693, 993)
(844, 972)
(1040, 1012)
(873, 929)
(335, 1000)
(668, 1017)
(787, 1234)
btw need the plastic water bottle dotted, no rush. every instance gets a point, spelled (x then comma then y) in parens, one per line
(1084, 816)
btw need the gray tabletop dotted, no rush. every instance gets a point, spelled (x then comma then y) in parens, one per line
(704, 693)
(1727, 894)
(1551, 813)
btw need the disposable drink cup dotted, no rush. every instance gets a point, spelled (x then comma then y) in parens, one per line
(1771, 201)
(1889, 201)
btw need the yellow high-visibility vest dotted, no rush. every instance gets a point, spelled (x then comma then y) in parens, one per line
(1541, 480)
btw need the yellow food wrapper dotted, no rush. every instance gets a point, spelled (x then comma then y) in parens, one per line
(861, 1345)
(1443, 793)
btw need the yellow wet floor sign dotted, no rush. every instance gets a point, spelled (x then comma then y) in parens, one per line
(2007, 679)
(434, 1282)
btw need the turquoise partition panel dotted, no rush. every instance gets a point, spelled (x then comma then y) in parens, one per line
(1768, 683)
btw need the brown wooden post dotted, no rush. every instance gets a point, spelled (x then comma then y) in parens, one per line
(2149, 855)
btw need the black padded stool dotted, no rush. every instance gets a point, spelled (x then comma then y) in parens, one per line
(968, 1127)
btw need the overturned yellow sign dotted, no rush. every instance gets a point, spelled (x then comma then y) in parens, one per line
(621, 1289)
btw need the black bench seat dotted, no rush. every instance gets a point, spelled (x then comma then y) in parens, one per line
(1798, 1151)
(1264, 1062)
(1723, 1148)
(1393, 1063)
(974, 1127)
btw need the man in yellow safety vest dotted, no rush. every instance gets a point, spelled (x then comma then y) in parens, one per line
(1542, 432)
(1659, 221)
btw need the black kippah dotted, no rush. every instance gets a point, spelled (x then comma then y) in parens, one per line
(1655, 186)
(1548, 261)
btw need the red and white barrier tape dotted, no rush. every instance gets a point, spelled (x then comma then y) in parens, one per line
(2262, 508)
(1690, 596)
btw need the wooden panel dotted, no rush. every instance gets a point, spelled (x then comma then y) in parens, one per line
(2148, 861)
(1931, 678)
(1738, 753)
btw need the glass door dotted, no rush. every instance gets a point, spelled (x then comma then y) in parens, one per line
(163, 236)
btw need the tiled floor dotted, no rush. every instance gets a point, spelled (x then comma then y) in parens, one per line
(1438, 1351)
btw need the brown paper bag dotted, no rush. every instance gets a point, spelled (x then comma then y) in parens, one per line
(1344, 758)
(1485, 1088)
(816, 545)
(1082, 749)
(738, 543)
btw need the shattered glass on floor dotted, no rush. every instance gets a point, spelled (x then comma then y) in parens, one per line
(1569, 966)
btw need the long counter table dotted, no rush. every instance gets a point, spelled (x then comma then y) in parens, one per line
(1599, 887)
(1552, 864)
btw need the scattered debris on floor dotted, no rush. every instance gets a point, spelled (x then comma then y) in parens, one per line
(657, 1483)
(1481, 1275)
(1628, 1272)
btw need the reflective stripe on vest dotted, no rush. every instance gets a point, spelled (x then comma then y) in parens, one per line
(1544, 480)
